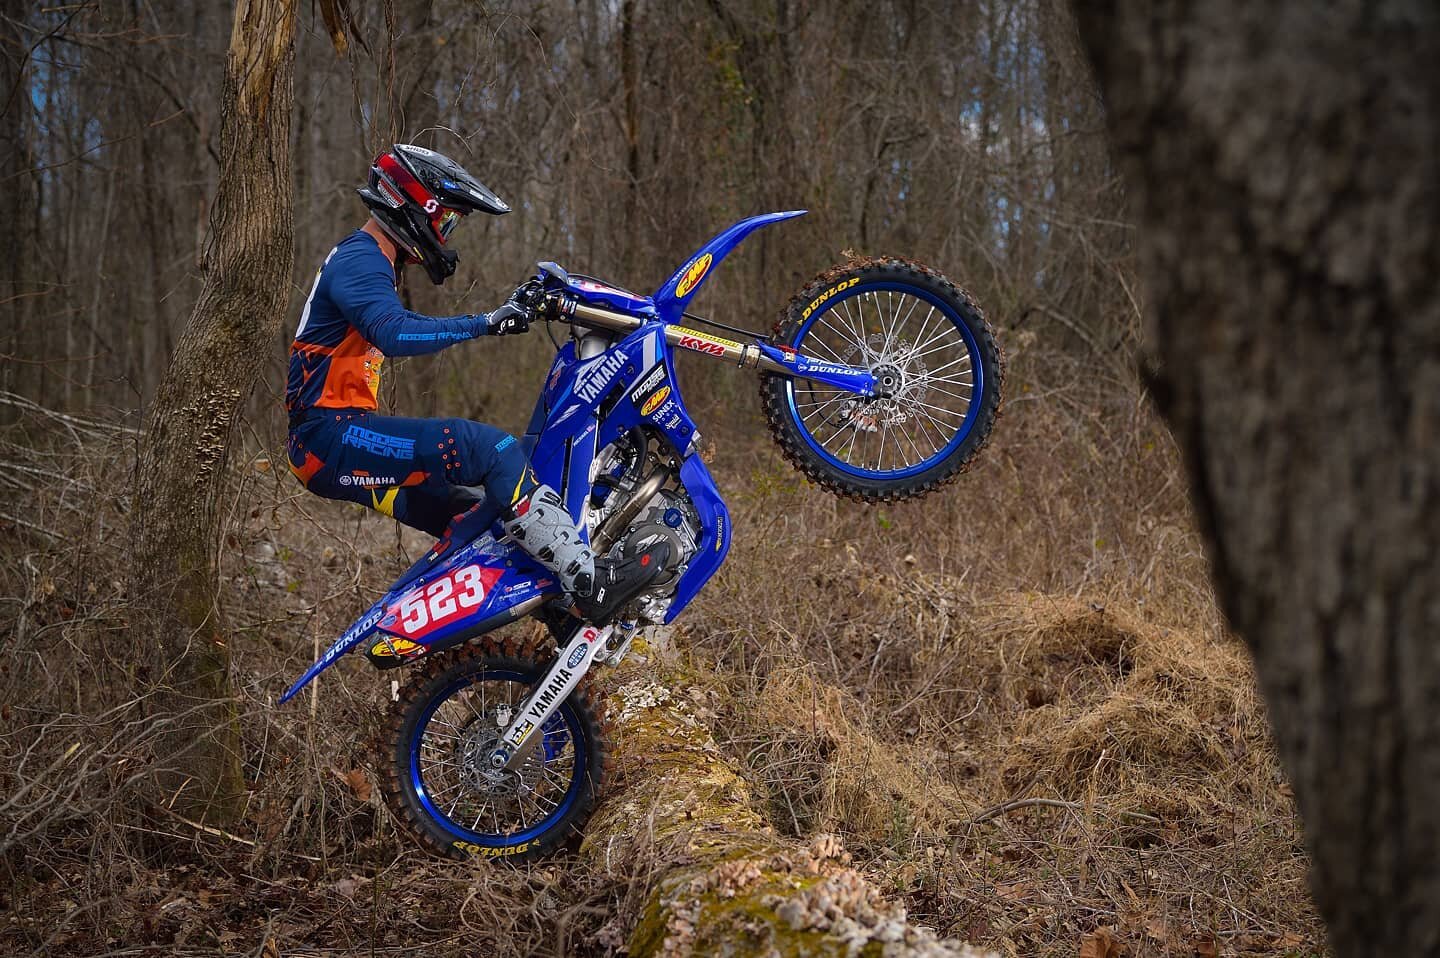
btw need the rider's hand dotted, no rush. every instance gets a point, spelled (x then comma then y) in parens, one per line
(511, 317)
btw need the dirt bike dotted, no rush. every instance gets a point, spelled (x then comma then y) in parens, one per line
(880, 382)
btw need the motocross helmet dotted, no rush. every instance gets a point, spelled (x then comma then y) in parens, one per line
(417, 196)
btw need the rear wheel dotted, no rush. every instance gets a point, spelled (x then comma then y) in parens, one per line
(441, 732)
(937, 368)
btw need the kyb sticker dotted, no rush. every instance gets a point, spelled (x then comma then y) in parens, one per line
(704, 342)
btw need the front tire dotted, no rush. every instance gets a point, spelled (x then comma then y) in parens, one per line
(441, 730)
(929, 341)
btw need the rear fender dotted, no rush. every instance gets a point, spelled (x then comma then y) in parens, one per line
(483, 586)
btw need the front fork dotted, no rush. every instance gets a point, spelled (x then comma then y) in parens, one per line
(586, 646)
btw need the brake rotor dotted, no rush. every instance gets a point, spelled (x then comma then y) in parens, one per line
(478, 741)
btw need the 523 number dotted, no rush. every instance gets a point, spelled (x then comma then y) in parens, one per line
(444, 599)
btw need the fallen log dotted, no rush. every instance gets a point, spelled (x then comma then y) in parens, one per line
(723, 882)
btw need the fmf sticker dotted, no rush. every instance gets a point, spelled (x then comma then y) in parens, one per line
(846, 284)
(694, 273)
(403, 648)
(447, 599)
(654, 401)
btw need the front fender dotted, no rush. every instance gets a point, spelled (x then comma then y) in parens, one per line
(686, 281)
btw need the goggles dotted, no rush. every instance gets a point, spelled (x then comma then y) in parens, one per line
(446, 226)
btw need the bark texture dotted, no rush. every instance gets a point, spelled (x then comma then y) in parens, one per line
(719, 880)
(18, 185)
(247, 261)
(1282, 167)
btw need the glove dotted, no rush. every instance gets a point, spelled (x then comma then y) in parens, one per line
(508, 318)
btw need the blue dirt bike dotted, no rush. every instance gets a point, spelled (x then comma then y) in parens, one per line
(881, 381)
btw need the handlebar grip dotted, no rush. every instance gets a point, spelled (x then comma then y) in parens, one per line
(558, 306)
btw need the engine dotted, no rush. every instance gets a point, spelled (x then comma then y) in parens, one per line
(669, 517)
(638, 501)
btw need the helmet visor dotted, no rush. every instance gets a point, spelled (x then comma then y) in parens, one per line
(446, 226)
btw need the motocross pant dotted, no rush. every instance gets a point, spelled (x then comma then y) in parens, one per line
(421, 472)
(427, 473)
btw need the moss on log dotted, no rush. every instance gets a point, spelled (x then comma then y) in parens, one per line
(724, 882)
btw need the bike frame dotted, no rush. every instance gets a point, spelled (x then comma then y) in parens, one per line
(614, 376)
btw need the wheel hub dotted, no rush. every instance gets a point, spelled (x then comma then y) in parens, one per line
(900, 378)
(474, 757)
(888, 380)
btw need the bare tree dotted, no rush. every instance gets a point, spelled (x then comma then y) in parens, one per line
(1282, 166)
(247, 262)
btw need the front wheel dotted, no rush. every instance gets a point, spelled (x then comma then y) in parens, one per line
(932, 353)
(442, 731)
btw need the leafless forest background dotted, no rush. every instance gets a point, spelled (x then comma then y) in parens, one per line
(1015, 701)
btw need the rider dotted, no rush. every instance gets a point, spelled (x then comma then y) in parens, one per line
(423, 472)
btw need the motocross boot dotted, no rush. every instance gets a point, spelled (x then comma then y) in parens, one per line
(599, 585)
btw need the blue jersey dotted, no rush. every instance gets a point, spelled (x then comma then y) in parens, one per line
(352, 320)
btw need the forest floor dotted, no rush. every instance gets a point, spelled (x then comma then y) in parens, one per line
(1015, 703)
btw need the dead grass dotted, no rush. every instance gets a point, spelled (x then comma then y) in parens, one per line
(1023, 767)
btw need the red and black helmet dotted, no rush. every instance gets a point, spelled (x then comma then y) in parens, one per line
(417, 196)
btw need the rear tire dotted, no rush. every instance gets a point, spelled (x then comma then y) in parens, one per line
(930, 437)
(431, 786)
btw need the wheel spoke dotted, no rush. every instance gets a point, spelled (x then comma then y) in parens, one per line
(959, 342)
(816, 412)
(860, 329)
(931, 388)
(955, 362)
(858, 345)
(834, 356)
(950, 381)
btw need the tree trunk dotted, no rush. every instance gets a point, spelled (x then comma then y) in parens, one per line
(176, 533)
(720, 881)
(1283, 173)
(17, 197)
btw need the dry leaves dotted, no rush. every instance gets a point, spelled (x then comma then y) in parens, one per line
(359, 783)
(1102, 943)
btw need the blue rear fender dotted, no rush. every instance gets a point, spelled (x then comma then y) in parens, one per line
(473, 591)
